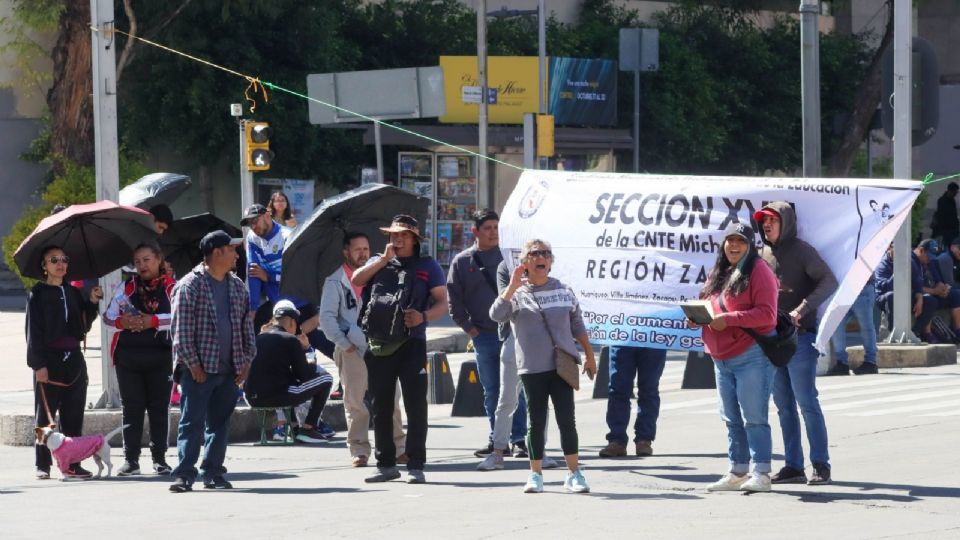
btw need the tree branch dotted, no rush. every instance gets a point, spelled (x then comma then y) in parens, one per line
(128, 52)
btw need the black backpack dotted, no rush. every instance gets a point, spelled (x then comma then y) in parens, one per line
(385, 297)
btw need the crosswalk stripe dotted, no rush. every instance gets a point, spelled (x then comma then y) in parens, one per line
(911, 408)
(891, 399)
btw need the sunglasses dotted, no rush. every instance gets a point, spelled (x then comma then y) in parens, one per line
(56, 259)
(545, 253)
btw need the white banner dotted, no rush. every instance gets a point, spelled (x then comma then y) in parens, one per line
(633, 246)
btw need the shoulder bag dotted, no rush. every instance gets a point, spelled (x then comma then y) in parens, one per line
(568, 365)
(779, 348)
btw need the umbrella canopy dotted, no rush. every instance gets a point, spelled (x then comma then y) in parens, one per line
(98, 238)
(315, 249)
(181, 241)
(153, 189)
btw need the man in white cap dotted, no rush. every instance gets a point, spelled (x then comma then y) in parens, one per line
(280, 375)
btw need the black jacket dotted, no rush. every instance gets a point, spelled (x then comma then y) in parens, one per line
(49, 332)
(279, 364)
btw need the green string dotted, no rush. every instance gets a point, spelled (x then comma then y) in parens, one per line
(382, 123)
(928, 179)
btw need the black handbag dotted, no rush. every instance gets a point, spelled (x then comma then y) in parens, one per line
(779, 348)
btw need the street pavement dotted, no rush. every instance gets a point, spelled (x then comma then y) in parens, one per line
(893, 440)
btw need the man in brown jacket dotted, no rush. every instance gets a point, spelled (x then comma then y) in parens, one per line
(805, 282)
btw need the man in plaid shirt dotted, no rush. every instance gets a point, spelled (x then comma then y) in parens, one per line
(213, 338)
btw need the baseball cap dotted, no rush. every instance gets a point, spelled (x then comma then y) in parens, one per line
(285, 308)
(930, 245)
(759, 214)
(253, 212)
(217, 239)
(741, 230)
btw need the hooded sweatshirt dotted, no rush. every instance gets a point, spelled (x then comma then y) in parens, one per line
(805, 279)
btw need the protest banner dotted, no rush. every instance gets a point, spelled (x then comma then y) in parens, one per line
(633, 246)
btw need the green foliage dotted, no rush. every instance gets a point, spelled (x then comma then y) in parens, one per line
(21, 50)
(76, 185)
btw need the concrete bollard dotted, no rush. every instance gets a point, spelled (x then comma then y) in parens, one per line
(468, 398)
(439, 379)
(698, 373)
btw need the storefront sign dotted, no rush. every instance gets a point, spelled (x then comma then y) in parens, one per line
(633, 246)
(513, 80)
(583, 92)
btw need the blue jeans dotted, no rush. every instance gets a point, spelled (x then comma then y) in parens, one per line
(487, 346)
(205, 410)
(743, 384)
(646, 365)
(862, 309)
(796, 384)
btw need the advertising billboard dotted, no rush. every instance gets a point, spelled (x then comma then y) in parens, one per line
(583, 92)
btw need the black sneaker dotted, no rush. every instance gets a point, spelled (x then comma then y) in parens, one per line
(77, 472)
(160, 467)
(520, 450)
(789, 475)
(485, 451)
(129, 468)
(866, 369)
(217, 482)
(820, 476)
(839, 369)
(180, 485)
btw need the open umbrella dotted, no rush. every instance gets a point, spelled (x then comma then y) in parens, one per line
(98, 238)
(181, 241)
(315, 249)
(153, 189)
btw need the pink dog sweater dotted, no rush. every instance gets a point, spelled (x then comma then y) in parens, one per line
(77, 449)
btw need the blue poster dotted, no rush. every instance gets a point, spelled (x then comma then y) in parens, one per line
(583, 92)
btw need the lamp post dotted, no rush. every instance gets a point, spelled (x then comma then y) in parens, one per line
(504, 13)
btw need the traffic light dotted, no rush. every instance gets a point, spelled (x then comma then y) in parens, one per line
(258, 150)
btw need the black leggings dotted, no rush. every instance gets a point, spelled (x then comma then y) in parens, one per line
(144, 387)
(540, 388)
(316, 390)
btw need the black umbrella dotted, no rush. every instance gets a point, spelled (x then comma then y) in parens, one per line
(181, 241)
(153, 189)
(98, 238)
(315, 249)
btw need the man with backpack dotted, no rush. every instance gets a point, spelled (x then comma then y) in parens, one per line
(402, 292)
(472, 288)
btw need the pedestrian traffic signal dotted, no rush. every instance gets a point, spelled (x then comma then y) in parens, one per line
(258, 150)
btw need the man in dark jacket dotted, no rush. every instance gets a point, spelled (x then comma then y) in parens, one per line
(945, 224)
(883, 281)
(937, 293)
(805, 282)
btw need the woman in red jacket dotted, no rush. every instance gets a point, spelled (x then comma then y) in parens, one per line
(742, 291)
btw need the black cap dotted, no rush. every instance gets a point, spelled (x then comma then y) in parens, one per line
(217, 239)
(253, 212)
(741, 230)
(930, 245)
(285, 308)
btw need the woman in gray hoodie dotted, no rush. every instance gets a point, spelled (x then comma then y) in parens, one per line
(545, 313)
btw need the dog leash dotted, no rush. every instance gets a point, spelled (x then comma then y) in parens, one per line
(43, 393)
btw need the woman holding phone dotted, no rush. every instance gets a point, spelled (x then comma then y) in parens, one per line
(545, 314)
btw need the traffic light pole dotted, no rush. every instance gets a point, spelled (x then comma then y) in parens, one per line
(246, 177)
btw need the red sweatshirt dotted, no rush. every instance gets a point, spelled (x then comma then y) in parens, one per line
(755, 308)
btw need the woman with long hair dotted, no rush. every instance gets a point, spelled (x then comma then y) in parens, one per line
(545, 315)
(141, 351)
(742, 291)
(279, 208)
(58, 319)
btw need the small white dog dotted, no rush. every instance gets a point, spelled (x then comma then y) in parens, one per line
(69, 450)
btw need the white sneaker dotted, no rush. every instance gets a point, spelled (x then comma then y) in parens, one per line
(549, 463)
(493, 461)
(757, 482)
(534, 484)
(729, 482)
(576, 483)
